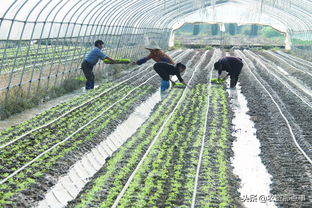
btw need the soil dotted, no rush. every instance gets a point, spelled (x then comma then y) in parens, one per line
(290, 170)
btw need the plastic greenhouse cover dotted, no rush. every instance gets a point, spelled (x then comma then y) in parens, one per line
(47, 19)
(233, 13)
(38, 19)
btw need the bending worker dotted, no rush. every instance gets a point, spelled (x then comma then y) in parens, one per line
(165, 70)
(156, 54)
(232, 65)
(91, 60)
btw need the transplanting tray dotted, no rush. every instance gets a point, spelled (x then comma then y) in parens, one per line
(179, 85)
(119, 61)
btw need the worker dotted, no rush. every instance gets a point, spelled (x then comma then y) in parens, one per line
(91, 60)
(156, 54)
(232, 65)
(164, 70)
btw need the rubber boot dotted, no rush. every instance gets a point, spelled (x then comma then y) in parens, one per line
(89, 85)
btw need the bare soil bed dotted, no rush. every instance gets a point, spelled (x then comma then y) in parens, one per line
(290, 169)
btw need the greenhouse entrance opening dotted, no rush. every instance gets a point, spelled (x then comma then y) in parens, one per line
(228, 35)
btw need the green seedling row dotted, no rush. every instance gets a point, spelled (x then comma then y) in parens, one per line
(166, 178)
(45, 164)
(104, 190)
(36, 55)
(82, 114)
(25, 149)
(47, 116)
(110, 180)
(214, 175)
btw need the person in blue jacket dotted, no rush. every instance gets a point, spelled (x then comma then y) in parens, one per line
(91, 60)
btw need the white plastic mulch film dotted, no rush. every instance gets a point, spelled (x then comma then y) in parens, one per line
(44, 41)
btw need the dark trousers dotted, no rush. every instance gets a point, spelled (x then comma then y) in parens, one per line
(234, 79)
(87, 71)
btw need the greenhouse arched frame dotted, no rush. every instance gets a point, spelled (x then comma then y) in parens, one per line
(44, 42)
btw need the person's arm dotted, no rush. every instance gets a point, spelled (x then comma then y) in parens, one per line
(225, 66)
(103, 56)
(225, 77)
(182, 81)
(143, 60)
(220, 71)
(172, 82)
(111, 60)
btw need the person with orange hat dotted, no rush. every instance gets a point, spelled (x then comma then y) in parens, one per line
(156, 54)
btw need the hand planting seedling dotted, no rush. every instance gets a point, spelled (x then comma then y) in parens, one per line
(179, 85)
(217, 81)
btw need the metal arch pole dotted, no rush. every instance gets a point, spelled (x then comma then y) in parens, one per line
(91, 3)
(84, 36)
(54, 47)
(78, 36)
(43, 56)
(99, 27)
(148, 21)
(11, 74)
(141, 24)
(65, 36)
(121, 21)
(145, 18)
(165, 24)
(62, 48)
(168, 17)
(46, 45)
(2, 105)
(6, 44)
(119, 27)
(95, 19)
(113, 28)
(96, 26)
(132, 7)
(27, 54)
(124, 12)
(130, 21)
(99, 18)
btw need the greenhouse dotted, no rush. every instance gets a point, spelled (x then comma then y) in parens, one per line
(160, 103)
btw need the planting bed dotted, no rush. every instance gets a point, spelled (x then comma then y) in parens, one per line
(50, 150)
(181, 155)
(282, 113)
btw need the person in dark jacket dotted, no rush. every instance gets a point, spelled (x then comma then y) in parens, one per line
(232, 65)
(91, 60)
(165, 70)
